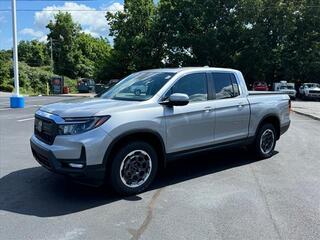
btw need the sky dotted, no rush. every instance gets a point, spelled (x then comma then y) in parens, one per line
(34, 15)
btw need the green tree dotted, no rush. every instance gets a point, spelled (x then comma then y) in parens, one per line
(131, 29)
(93, 53)
(34, 53)
(6, 83)
(266, 39)
(63, 33)
(305, 42)
(76, 54)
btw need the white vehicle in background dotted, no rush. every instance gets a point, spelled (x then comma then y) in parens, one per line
(285, 87)
(310, 91)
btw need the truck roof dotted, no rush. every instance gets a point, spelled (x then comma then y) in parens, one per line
(181, 69)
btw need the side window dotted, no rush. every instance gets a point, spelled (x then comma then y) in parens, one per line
(235, 86)
(225, 87)
(194, 85)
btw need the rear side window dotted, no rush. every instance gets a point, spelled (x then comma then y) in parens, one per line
(225, 85)
(194, 85)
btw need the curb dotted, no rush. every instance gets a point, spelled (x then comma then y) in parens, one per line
(307, 115)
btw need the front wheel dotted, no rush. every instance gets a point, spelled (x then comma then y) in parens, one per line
(133, 168)
(265, 141)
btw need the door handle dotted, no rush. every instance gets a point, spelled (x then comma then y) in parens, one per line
(241, 105)
(208, 109)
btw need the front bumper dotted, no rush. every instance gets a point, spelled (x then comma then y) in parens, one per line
(88, 174)
(313, 95)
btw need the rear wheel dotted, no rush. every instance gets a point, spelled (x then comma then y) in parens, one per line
(265, 141)
(133, 168)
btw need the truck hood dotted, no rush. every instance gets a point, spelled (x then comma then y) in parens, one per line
(314, 89)
(84, 107)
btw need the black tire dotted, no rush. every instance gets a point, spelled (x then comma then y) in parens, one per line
(118, 180)
(256, 146)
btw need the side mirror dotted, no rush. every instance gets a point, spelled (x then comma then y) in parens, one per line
(177, 99)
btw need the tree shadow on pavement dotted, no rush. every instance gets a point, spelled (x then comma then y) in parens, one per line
(37, 192)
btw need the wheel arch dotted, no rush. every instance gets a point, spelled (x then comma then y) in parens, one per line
(272, 119)
(147, 135)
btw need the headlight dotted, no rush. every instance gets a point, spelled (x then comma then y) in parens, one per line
(80, 125)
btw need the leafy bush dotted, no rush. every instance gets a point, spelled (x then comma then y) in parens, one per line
(71, 83)
(6, 88)
(33, 79)
(5, 78)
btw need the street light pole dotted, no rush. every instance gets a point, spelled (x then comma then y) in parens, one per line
(15, 48)
(16, 101)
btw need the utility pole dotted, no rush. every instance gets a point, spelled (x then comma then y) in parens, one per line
(16, 101)
(51, 54)
(51, 63)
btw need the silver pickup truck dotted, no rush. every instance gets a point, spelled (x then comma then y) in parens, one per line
(123, 138)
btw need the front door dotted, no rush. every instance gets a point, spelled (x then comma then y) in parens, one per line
(190, 126)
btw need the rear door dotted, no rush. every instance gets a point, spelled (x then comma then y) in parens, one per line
(232, 110)
(190, 126)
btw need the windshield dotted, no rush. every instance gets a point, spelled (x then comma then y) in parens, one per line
(139, 86)
(283, 87)
(290, 87)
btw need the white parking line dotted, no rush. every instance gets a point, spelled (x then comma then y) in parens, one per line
(28, 106)
(35, 99)
(25, 119)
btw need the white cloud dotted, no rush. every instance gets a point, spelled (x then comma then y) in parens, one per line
(43, 39)
(115, 7)
(91, 20)
(93, 34)
(32, 33)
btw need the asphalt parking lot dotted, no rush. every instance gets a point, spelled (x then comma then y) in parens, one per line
(219, 195)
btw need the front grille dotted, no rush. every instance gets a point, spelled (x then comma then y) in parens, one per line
(45, 129)
(313, 91)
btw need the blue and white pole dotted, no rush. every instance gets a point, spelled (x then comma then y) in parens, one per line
(16, 101)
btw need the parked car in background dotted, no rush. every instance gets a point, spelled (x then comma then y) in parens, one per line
(86, 85)
(123, 138)
(310, 91)
(260, 86)
(289, 90)
(285, 87)
(104, 88)
(112, 82)
(99, 87)
(138, 89)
